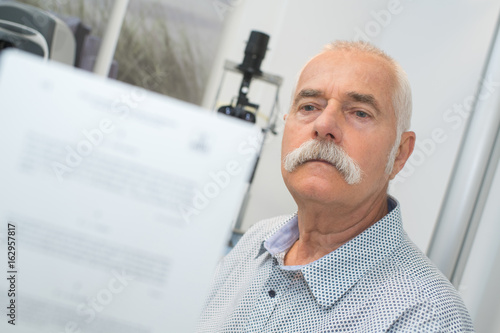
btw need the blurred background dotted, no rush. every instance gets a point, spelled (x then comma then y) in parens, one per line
(164, 46)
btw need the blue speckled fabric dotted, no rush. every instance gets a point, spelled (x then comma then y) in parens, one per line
(377, 282)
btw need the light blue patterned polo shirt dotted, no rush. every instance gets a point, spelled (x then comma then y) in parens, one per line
(377, 282)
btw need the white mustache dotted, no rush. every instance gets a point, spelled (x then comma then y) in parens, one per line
(326, 151)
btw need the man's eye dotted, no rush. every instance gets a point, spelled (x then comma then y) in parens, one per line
(308, 107)
(362, 114)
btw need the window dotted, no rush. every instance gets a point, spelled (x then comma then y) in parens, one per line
(165, 46)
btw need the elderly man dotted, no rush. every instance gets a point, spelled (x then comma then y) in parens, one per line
(343, 262)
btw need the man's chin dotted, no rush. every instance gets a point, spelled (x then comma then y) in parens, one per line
(319, 191)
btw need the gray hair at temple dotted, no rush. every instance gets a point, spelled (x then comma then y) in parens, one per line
(401, 96)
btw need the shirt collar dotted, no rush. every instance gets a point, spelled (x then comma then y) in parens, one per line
(334, 274)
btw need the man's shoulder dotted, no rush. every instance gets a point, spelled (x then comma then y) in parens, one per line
(270, 225)
(411, 267)
(260, 231)
(409, 279)
(247, 254)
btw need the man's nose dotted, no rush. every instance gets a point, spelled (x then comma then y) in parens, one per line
(327, 126)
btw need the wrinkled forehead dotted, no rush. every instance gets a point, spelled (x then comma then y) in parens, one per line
(358, 64)
(355, 71)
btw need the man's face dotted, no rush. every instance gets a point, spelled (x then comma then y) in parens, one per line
(345, 98)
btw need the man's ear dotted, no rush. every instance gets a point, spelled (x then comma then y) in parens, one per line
(404, 152)
(285, 116)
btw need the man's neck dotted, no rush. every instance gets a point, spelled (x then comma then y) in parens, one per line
(324, 229)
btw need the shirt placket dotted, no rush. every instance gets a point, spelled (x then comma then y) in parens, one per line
(270, 296)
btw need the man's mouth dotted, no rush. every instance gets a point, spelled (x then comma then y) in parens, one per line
(319, 160)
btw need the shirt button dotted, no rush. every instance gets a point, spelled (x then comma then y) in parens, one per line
(272, 293)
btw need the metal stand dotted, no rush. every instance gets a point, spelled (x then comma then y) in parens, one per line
(270, 126)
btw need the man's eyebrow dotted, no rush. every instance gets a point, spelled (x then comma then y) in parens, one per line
(307, 93)
(364, 98)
